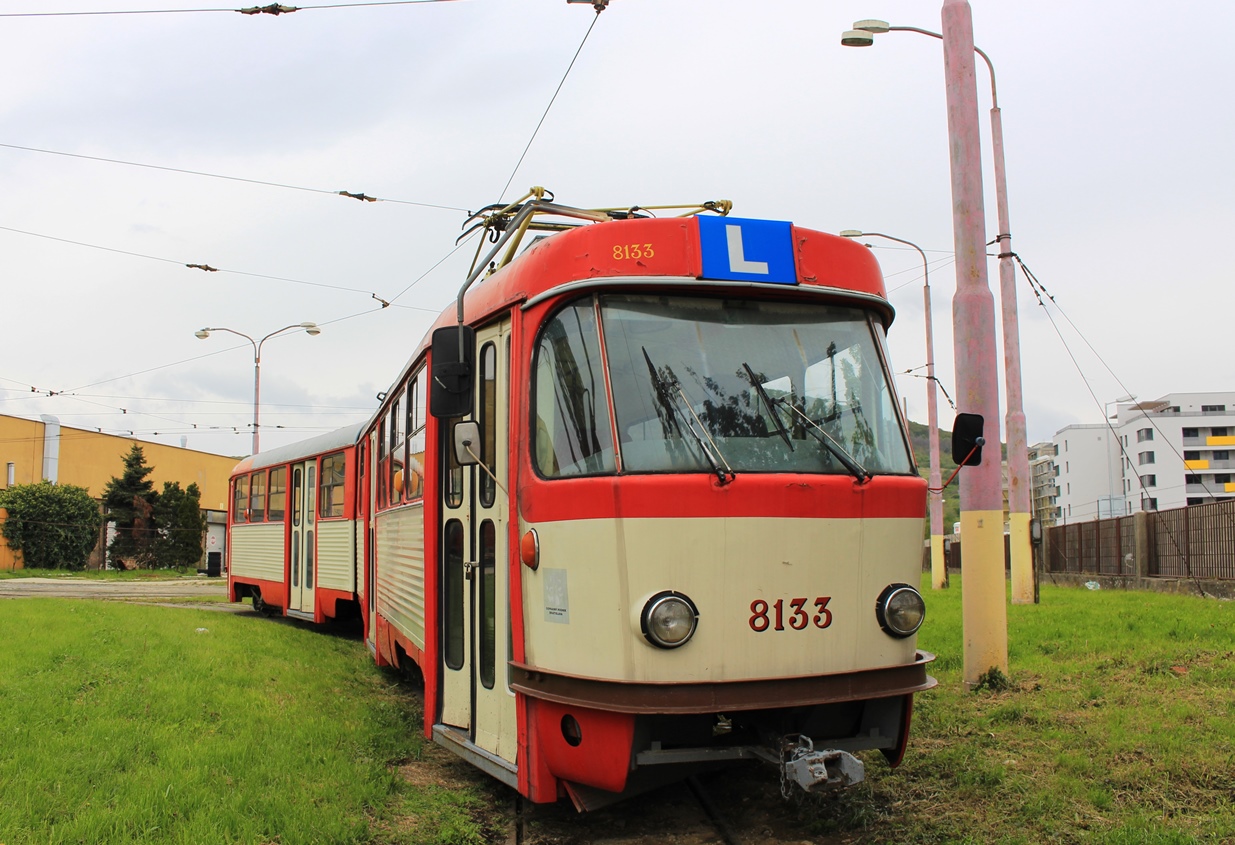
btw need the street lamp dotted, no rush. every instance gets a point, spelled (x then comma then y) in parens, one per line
(863, 35)
(939, 566)
(310, 329)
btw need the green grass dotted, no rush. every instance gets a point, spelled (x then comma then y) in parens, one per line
(1118, 727)
(125, 723)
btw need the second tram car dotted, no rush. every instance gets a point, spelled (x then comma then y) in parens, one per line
(292, 531)
(643, 502)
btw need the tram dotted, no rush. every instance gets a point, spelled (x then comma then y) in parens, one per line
(642, 502)
(292, 532)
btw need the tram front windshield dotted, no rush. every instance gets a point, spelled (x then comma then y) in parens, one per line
(713, 385)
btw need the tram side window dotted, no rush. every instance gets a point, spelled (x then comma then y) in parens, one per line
(333, 477)
(383, 455)
(396, 447)
(277, 501)
(488, 422)
(414, 480)
(257, 498)
(240, 500)
(573, 435)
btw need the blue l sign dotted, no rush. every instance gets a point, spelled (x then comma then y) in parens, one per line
(747, 250)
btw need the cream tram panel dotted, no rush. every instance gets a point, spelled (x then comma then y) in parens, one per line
(401, 564)
(583, 603)
(257, 551)
(336, 555)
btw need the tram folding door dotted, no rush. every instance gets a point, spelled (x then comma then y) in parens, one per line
(474, 582)
(303, 539)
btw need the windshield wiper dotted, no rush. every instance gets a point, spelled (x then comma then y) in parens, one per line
(668, 392)
(771, 406)
(861, 473)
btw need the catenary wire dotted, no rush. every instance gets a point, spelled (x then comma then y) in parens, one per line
(1040, 291)
(552, 99)
(253, 10)
(351, 195)
(204, 267)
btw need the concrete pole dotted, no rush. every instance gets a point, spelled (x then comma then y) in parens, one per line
(1020, 547)
(984, 606)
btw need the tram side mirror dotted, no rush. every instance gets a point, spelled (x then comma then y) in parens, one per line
(450, 387)
(467, 443)
(967, 440)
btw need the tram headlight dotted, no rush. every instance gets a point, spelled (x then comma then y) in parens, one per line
(669, 619)
(900, 610)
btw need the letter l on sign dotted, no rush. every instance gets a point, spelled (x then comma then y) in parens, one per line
(737, 256)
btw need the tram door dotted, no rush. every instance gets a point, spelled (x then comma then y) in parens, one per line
(475, 524)
(368, 493)
(304, 512)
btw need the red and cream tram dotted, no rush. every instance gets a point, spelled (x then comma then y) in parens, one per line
(292, 532)
(643, 502)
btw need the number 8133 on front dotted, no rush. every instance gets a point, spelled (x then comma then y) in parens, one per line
(796, 614)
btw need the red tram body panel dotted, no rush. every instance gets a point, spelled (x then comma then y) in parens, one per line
(668, 516)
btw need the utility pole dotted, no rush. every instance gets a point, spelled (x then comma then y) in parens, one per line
(984, 607)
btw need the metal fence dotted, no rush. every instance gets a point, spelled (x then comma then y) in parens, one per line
(1193, 542)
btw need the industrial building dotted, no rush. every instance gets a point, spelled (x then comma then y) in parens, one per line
(38, 450)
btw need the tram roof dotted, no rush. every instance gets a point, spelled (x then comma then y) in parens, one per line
(681, 249)
(338, 439)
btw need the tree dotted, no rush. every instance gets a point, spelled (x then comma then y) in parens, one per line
(53, 526)
(178, 516)
(130, 501)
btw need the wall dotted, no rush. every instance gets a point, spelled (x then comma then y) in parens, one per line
(90, 459)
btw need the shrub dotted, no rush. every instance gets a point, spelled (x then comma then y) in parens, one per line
(53, 526)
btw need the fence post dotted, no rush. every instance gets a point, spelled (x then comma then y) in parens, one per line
(1141, 550)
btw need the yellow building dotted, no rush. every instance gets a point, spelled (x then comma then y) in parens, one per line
(35, 450)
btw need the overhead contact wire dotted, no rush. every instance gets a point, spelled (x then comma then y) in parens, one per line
(166, 169)
(552, 99)
(271, 9)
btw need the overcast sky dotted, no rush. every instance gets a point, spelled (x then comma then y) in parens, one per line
(1118, 137)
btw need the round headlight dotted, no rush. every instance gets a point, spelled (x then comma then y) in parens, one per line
(900, 610)
(669, 619)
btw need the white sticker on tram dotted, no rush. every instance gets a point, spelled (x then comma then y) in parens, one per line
(557, 601)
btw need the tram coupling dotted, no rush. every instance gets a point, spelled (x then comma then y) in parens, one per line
(817, 771)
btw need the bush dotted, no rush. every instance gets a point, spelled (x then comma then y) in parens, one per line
(53, 526)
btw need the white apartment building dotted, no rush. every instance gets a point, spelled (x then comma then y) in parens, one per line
(1168, 453)
(1044, 478)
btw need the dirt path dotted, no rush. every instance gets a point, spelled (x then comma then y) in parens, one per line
(84, 588)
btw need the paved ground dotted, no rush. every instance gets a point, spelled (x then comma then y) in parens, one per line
(82, 588)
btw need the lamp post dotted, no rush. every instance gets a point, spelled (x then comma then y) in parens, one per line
(1019, 483)
(939, 566)
(984, 608)
(310, 329)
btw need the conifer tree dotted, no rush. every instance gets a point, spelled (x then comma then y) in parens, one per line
(181, 525)
(130, 501)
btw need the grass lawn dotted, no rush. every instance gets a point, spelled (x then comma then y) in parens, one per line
(126, 723)
(1119, 727)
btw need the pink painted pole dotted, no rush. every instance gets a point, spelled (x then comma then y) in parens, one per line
(984, 611)
(1020, 549)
